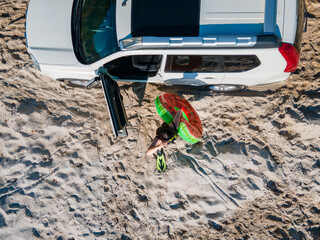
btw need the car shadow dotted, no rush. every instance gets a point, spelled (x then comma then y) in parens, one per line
(205, 91)
(198, 91)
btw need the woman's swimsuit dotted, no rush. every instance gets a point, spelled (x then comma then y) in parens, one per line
(175, 135)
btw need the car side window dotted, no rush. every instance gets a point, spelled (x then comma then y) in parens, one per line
(135, 67)
(212, 63)
(240, 63)
(193, 63)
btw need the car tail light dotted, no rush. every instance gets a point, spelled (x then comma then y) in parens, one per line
(291, 55)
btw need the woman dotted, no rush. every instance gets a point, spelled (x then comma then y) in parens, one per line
(165, 134)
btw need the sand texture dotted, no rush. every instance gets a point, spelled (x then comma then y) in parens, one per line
(255, 174)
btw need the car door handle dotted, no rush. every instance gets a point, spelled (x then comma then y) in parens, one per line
(206, 78)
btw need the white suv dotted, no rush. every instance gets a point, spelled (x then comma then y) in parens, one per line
(224, 44)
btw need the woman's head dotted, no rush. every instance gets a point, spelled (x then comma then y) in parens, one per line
(165, 132)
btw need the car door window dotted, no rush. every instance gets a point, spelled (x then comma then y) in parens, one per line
(135, 67)
(193, 63)
(212, 63)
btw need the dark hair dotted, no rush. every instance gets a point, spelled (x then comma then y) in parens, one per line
(165, 128)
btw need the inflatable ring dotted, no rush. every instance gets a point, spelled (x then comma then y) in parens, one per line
(190, 128)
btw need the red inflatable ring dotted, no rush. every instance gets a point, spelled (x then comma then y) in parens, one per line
(190, 128)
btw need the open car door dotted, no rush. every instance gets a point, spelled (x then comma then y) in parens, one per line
(118, 117)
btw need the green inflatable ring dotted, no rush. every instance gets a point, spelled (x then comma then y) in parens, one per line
(190, 128)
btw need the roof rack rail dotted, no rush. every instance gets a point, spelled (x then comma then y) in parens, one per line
(259, 41)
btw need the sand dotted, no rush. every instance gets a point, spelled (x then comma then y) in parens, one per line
(254, 174)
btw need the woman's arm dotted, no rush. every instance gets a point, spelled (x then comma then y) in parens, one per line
(176, 119)
(156, 145)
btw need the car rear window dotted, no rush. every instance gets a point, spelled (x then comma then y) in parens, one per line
(211, 63)
(165, 18)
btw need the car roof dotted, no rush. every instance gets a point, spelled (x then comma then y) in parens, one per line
(205, 20)
(185, 18)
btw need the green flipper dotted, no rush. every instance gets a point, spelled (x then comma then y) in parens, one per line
(161, 161)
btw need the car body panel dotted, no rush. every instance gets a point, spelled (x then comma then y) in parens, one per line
(290, 21)
(48, 30)
(77, 71)
(123, 20)
(271, 69)
(231, 12)
(234, 17)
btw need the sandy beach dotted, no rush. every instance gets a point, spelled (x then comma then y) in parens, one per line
(255, 174)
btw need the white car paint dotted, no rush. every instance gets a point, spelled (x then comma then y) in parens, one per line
(49, 39)
(231, 12)
(123, 20)
(48, 29)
